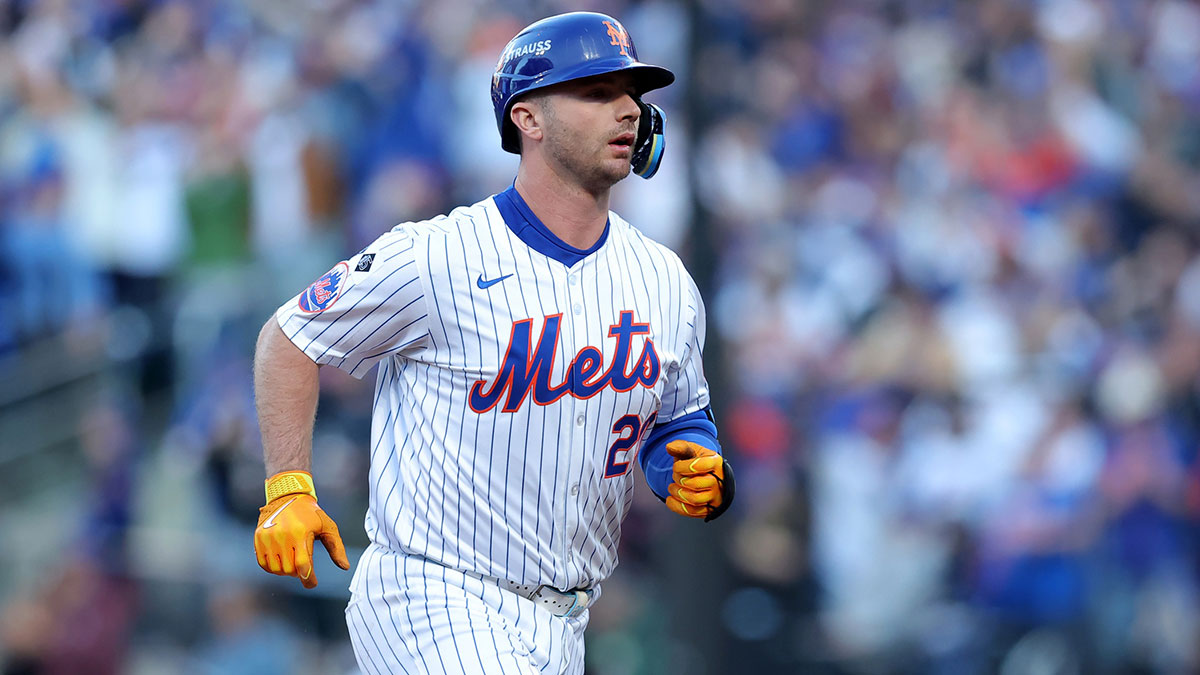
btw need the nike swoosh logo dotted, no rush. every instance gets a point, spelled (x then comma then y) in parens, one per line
(480, 282)
(270, 522)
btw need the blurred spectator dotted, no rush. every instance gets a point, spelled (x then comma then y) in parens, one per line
(80, 616)
(78, 621)
(245, 639)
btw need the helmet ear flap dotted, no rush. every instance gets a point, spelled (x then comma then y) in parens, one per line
(650, 143)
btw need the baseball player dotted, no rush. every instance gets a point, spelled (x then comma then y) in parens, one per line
(529, 349)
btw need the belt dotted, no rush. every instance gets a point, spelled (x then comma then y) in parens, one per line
(566, 604)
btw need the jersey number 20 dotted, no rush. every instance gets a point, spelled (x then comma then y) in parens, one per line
(629, 430)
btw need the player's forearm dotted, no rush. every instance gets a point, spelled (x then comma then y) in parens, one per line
(285, 394)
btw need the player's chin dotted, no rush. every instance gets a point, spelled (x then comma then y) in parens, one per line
(616, 169)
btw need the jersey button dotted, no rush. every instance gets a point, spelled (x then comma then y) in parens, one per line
(578, 308)
(580, 420)
(573, 280)
(574, 490)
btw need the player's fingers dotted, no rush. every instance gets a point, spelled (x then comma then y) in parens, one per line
(698, 465)
(260, 551)
(704, 481)
(274, 566)
(684, 495)
(288, 560)
(697, 497)
(680, 449)
(333, 544)
(304, 563)
(310, 581)
(689, 510)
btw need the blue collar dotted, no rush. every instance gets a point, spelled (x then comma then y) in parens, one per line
(521, 220)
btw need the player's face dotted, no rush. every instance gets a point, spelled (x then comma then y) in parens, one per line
(591, 125)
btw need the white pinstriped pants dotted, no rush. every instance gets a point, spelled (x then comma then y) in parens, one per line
(412, 616)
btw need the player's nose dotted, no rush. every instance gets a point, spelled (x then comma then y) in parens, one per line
(627, 109)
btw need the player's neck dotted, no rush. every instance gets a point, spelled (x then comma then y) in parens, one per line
(572, 213)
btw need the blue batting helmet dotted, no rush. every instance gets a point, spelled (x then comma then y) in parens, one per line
(562, 48)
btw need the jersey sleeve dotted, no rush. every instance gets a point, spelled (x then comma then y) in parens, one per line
(686, 390)
(685, 413)
(364, 309)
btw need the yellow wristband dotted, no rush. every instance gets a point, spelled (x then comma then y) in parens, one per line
(290, 483)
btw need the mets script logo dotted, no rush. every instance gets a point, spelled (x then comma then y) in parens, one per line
(616, 33)
(324, 291)
(527, 367)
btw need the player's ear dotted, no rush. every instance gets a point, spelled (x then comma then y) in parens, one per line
(527, 117)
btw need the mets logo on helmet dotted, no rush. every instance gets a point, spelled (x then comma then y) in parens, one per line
(323, 292)
(616, 33)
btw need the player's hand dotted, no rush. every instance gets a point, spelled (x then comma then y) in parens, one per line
(703, 481)
(283, 540)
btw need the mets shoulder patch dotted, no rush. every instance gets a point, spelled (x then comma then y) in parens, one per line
(323, 292)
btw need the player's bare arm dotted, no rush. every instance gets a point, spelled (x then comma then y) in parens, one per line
(285, 394)
(285, 389)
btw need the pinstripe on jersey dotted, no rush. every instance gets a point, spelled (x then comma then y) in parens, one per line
(417, 617)
(518, 490)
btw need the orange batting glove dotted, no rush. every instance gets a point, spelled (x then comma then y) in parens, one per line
(703, 481)
(289, 523)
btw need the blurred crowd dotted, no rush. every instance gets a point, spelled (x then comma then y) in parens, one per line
(952, 267)
(958, 299)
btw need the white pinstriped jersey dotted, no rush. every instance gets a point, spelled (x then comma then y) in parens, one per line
(517, 379)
